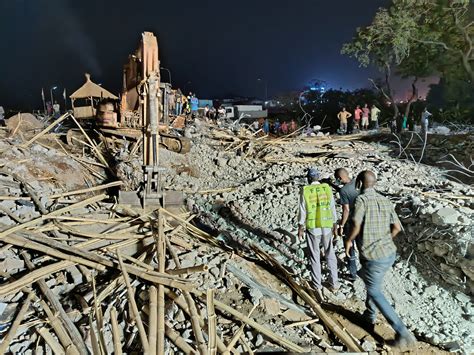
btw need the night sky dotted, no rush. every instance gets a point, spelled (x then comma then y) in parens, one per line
(222, 47)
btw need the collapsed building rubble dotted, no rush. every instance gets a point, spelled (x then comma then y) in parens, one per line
(82, 273)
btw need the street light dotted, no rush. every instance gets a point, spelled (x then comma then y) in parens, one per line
(169, 72)
(51, 92)
(266, 87)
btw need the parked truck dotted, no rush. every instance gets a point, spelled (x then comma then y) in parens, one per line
(245, 113)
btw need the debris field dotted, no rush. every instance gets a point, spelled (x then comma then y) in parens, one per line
(82, 273)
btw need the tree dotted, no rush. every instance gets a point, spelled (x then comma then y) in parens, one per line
(383, 45)
(446, 27)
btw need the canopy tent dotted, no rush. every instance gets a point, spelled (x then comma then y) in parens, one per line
(91, 89)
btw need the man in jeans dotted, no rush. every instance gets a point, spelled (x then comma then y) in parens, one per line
(348, 195)
(375, 225)
(318, 218)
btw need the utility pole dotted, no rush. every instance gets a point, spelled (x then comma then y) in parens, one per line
(169, 72)
(265, 82)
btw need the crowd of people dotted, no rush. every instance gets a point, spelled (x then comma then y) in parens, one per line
(369, 224)
(359, 120)
(368, 118)
(277, 128)
(180, 104)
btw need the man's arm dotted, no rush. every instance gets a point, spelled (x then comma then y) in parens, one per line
(345, 214)
(395, 229)
(349, 115)
(359, 214)
(395, 225)
(334, 215)
(302, 216)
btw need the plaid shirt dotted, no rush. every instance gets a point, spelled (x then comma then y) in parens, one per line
(375, 213)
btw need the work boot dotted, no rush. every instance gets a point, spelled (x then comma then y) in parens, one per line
(403, 342)
(317, 294)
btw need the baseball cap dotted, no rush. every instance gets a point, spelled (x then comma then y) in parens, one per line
(313, 173)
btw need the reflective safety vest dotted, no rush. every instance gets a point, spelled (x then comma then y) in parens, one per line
(318, 206)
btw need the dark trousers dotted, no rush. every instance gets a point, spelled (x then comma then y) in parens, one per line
(351, 260)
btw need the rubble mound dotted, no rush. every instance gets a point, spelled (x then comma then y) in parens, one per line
(24, 122)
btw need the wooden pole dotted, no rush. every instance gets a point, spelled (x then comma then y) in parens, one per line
(16, 323)
(195, 318)
(74, 333)
(161, 250)
(115, 332)
(211, 323)
(133, 306)
(46, 130)
(153, 320)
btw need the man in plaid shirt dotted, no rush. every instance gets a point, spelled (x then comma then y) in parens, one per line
(375, 225)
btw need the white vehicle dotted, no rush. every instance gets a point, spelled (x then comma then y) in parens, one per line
(245, 112)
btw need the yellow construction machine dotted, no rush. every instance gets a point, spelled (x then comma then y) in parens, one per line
(143, 116)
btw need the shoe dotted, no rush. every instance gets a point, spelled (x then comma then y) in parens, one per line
(317, 294)
(334, 289)
(403, 342)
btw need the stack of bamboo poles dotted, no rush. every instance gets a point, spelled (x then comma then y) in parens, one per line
(268, 148)
(54, 242)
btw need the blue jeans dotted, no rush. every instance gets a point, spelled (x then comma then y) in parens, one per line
(373, 272)
(351, 260)
(178, 108)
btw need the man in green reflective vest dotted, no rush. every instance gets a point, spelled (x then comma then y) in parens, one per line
(318, 218)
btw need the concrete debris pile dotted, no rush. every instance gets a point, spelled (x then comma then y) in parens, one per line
(436, 248)
(83, 274)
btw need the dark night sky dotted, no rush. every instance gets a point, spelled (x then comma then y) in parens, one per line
(221, 46)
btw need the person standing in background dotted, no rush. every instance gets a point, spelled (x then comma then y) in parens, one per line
(365, 117)
(374, 116)
(357, 116)
(343, 116)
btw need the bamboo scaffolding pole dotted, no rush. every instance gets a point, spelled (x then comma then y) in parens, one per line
(303, 322)
(191, 306)
(176, 338)
(46, 130)
(94, 342)
(16, 324)
(133, 306)
(28, 244)
(287, 344)
(37, 274)
(90, 189)
(211, 323)
(89, 220)
(239, 332)
(49, 339)
(94, 146)
(344, 336)
(188, 270)
(161, 251)
(246, 344)
(115, 332)
(181, 302)
(153, 319)
(99, 319)
(58, 212)
(59, 329)
(73, 332)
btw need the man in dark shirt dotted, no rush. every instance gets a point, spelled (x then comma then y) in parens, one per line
(348, 194)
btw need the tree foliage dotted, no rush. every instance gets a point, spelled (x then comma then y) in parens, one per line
(418, 38)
